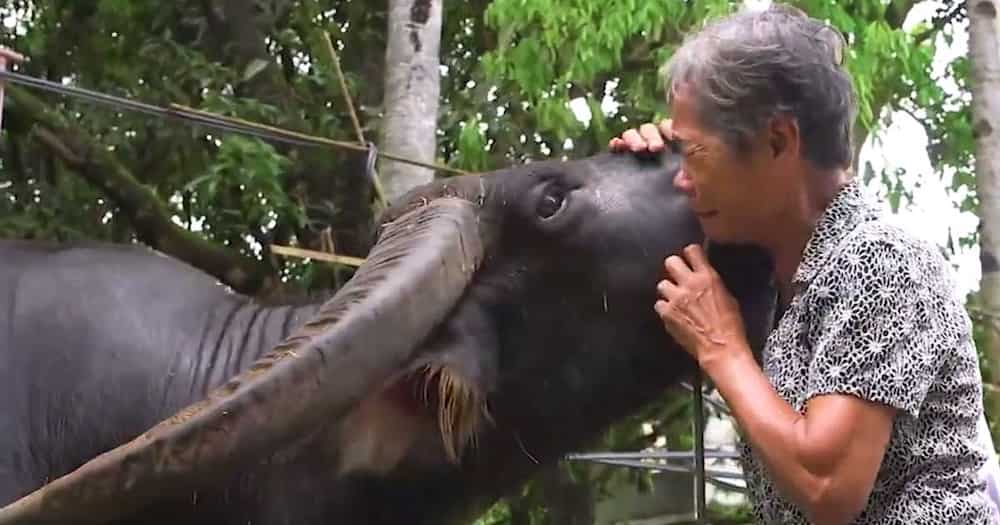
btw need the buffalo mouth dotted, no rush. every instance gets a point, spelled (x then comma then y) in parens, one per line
(376, 326)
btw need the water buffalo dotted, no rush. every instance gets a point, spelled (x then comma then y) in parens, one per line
(499, 321)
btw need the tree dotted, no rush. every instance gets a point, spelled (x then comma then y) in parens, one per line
(984, 62)
(238, 195)
(412, 89)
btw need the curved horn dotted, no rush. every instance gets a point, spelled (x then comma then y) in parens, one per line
(413, 277)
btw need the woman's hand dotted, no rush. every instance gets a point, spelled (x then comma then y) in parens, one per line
(698, 310)
(649, 137)
(824, 460)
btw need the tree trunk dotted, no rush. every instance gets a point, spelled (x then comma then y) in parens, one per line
(412, 88)
(984, 58)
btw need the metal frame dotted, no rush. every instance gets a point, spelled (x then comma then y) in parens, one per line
(699, 451)
(702, 475)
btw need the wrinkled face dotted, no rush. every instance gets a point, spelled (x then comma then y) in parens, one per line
(726, 186)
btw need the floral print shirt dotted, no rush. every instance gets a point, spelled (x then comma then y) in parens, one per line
(875, 314)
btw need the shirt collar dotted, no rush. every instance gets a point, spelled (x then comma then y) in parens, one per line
(848, 209)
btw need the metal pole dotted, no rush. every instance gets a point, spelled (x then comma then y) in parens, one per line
(699, 451)
(699, 431)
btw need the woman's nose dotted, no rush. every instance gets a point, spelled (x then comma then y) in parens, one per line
(683, 182)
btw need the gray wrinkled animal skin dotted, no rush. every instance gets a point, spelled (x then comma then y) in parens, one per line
(500, 321)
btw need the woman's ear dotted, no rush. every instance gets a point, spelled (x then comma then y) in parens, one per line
(783, 135)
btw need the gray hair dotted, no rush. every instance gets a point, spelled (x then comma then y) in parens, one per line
(753, 65)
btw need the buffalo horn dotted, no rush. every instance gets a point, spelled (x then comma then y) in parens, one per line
(372, 328)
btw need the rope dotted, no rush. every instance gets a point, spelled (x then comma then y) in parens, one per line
(207, 119)
(720, 406)
(343, 86)
(244, 127)
(372, 152)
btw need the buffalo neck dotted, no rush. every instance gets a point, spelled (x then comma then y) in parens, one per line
(246, 331)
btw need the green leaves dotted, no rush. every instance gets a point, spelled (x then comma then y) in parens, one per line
(535, 57)
(551, 51)
(471, 154)
(243, 190)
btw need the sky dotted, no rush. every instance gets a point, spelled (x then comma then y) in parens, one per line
(903, 145)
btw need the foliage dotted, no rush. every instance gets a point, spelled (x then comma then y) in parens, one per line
(239, 191)
(549, 53)
(247, 179)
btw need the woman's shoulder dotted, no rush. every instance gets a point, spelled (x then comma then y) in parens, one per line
(882, 251)
(889, 238)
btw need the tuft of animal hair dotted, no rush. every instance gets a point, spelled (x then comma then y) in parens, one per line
(380, 433)
(461, 409)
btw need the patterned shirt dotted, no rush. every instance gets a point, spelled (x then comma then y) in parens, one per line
(875, 314)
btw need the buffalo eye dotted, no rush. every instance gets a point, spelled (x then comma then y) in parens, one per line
(550, 204)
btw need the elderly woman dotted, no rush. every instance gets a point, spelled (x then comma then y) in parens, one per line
(864, 407)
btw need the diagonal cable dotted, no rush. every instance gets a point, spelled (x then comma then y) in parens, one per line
(203, 118)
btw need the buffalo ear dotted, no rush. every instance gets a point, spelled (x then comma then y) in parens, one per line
(748, 272)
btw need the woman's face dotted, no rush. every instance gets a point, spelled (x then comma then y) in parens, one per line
(733, 193)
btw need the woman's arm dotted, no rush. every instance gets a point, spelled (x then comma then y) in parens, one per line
(825, 461)
(875, 356)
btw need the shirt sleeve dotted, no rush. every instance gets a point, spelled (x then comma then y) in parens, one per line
(880, 331)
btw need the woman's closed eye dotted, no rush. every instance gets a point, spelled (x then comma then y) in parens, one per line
(693, 149)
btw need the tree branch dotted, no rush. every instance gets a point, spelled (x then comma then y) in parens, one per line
(938, 24)
(896, 12)
(895, 16)
(146, 212)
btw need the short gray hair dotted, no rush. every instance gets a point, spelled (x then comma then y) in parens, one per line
(755, 64)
